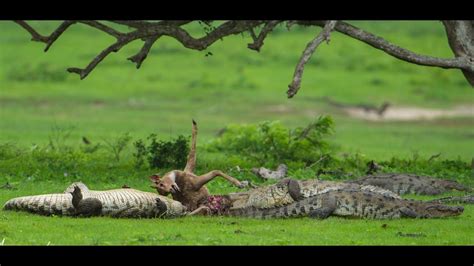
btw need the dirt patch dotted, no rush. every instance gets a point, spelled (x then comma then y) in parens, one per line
(281, 108)
(278, 109)
(394, 113)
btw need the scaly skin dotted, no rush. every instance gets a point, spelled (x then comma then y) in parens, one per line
(288, 191)
(410, 183)
(116, 203)
(351, 203)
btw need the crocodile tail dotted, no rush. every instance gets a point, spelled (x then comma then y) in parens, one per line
(252, 212)
(47, 204)
(296, 209)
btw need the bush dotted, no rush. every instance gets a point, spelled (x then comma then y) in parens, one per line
(273, 143)
(117, 145)
(162, 154)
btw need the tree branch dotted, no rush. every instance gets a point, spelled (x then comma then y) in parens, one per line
(307, 53)
(394, 50)
(103, 28)
(143, 53)
(258, 41)
(84, 72)
(35, 36)
(55, 35)
(49, 40)
(133, 23)
(223, 30)
(460, 42)
(149, 32)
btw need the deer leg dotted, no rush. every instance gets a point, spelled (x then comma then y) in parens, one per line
(191, 164)
(203, 210)
(203, 179)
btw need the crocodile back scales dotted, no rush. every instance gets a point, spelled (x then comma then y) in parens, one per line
(116, 202)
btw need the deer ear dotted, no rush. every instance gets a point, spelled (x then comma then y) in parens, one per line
(154, 177)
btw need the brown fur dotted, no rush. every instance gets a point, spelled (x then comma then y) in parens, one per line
(185, 186)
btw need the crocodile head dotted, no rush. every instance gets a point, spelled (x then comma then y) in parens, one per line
(81, 186)
(453, 185)
(437, 210)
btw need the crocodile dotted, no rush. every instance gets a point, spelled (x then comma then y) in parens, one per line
(286, 191)
(120, 203)
(410, 183)
(467, 199)
(289, 190)
(349, 202)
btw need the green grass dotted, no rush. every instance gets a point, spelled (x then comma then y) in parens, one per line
(30, 230)
(235, 85)
(18, 228)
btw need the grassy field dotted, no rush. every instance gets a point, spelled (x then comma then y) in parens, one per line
(28, 229)
(235, 85)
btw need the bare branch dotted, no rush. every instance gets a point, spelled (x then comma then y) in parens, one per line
(150, 32)
(49, 40)
(258, 41)
(396, 51)
(55, 35)
(173, 22)
(138, 24)
(103, 28)
(252, 34)
(143, 53)
(35, 36)
(223, 30)
(147, 31)
(84, 72)
(460, 35)
(307, 53)
(133, 23)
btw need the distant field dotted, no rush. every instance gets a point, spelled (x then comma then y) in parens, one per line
(235, 85)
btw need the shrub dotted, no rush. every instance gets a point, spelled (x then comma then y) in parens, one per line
(272, 142)
(117, 145)
(162, 154)
(140, 153)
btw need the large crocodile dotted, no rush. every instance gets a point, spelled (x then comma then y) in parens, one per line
(410, 183)
(351, 203)
(116, 203)
(285, 192)
(399, 183)
(289, 190)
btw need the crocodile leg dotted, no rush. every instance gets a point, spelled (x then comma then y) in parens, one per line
(328, 206)
(131, 212)
(408, 213)
(294, 190)
(85, 207)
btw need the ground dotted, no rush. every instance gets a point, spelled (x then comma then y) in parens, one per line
(234, 85)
